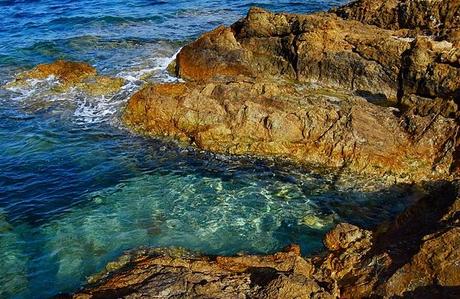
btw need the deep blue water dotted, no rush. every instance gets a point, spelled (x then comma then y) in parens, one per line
(77, 189)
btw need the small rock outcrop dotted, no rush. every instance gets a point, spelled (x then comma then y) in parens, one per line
(70, 74)
(416, 256)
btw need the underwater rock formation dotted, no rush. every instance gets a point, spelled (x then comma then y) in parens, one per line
(416, 256)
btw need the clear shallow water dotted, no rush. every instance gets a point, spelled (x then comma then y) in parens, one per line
(76, 190)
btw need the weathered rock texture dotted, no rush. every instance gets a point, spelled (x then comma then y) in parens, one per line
(325, 49)
(71, 74)
(416, 256)
(250, 92)
(433, 17)
(308, 125)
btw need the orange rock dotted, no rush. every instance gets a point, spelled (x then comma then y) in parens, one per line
(79, 75)
(265, 118)
(68, 72)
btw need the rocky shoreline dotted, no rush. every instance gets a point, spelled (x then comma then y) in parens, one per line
(415, 256)
(314, 88)
(372, 87)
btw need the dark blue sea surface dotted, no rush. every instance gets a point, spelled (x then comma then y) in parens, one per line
(77, 189)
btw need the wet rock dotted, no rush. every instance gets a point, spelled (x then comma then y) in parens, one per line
(299, 122)
(69, 74)
(101, 85)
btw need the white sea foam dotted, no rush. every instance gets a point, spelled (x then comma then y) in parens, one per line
(40, 95)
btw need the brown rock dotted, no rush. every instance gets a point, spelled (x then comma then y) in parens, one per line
(220, 56)
(436, 263)
(68, 72)
(250, 91)
(251, 100)
(298, 122)
(431, 70)
(71, 74)
(434, 17)
(415, 256)
(310, 48)
(345, 235)
(155, 274)
(371, 61)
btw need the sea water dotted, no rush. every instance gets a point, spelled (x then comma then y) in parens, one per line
(77, 189)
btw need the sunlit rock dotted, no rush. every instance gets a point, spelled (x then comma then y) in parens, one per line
(68, 75)
(291, 121)
(256, 87)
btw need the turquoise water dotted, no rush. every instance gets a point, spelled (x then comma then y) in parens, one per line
(77, 189)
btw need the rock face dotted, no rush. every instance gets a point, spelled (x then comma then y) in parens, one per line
(294, 121)
(256, 88)
(323, 48)
(433, 17)
(416, 256)
(308, 48)
(71, 74)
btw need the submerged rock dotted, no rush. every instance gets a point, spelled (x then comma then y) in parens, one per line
(67, 72)
(416, 256)
(101, 85)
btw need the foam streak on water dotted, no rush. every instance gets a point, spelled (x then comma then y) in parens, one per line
(41, 95)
